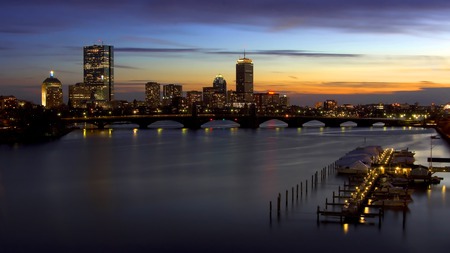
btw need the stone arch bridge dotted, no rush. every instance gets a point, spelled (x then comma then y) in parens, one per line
(245, 121)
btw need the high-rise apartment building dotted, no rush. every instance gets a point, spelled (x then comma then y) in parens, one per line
(244, 80)
(98, 66)
(170, 92)
(51, 91)
(153, 94)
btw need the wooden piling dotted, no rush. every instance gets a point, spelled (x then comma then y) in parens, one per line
(287, 193)
(279, 204)
(297, 191)
(292, 194)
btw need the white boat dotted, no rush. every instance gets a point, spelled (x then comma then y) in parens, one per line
(357, 167)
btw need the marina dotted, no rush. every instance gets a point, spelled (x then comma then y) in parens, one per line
(378, 179)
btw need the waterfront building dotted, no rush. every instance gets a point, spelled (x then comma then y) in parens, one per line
(98, 66)
(51, 91)
(79, 95)
(171, 91)
(152, 94)
(244, 80)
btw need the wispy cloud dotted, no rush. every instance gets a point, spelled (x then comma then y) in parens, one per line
(292, 53)
(366, 16)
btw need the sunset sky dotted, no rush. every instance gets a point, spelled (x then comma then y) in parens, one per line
(353, 51)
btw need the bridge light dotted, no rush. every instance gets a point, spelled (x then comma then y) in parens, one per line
(210, 119)
(223, 119)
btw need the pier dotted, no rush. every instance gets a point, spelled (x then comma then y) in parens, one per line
(364, 196)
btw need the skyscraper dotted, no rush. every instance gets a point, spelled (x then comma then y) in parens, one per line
(244, 80)
(152, 94)
(98, 71)
(51, 91)
(220, 84)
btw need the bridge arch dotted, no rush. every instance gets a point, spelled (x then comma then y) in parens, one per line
(220, 123)
(349, 124)
(314, 123)
(273, 123)
(165, 124)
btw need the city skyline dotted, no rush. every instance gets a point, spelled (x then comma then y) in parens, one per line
(353, 51)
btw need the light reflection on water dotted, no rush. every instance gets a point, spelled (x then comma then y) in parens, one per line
(204, 190)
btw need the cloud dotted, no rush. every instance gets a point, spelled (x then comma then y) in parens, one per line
(125, 67)
(366, 16)
(292, 53)
(155, 50)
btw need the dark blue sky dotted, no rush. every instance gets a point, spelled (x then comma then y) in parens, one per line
(352, 51)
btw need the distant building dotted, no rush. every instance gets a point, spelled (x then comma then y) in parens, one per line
(330, 104)
(80, 95)
(171, 91)
(244, 80)
(194, 97)
(266, 101)
(220, 85)
(8, 102)
(98, 66)
(51, 90)
(208, 96)
(153, 94)
(284, 101)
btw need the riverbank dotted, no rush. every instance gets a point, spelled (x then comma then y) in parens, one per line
(29, 136)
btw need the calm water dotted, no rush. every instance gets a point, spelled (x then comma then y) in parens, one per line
(179, 190)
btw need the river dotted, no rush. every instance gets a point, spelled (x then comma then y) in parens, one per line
(208, 190)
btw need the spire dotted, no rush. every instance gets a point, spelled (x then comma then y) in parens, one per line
(52, 73)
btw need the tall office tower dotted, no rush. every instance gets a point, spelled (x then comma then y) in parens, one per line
(170, 92)
(51, 91)
(153, 94)
(244, 80)
(98, 72)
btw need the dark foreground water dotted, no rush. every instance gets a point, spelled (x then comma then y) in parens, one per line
(178, 190)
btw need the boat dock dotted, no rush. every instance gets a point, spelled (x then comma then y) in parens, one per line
(365, 195)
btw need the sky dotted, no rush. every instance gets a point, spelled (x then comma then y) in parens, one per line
(352, 51)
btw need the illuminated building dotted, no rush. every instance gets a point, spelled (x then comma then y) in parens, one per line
(220, 85)
(284, 101)
(266, 101)
(170, 92)
(208, 96)
(194, 97)
(79, 95)
(244, 80)
(51, 91)
(98, 62)
(8, 102)
(152, 94)
(329, 104)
